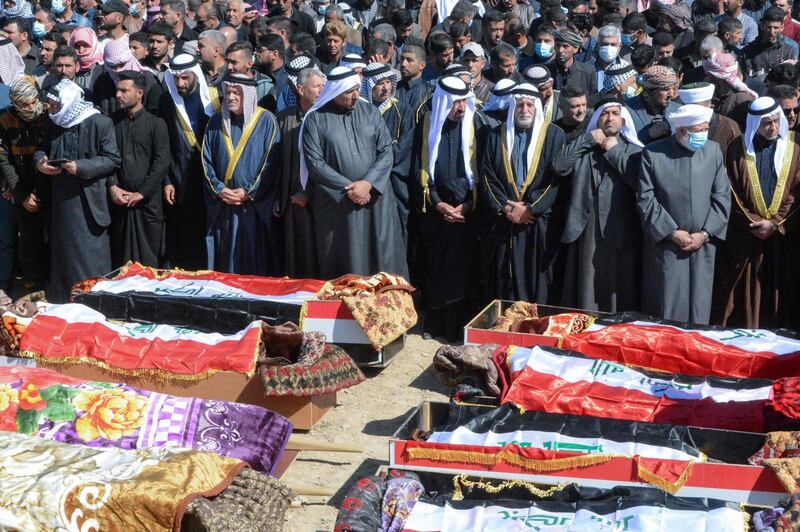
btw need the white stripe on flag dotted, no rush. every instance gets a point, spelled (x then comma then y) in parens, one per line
(750, 340)
(193, 288)
(427, 517)
(575, 370)
(552, 441)
(75, 313)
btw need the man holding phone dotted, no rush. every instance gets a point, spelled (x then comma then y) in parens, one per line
(78, 152)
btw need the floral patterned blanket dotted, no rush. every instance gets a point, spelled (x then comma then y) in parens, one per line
(381, 304)
(49, 485)
(53, 406)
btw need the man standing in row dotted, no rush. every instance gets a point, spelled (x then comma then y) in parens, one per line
(755, 273)
(241, 165)
(523, 200)
(379, 87)
(189, 104)
(137, 214)
(82, 146)
(292, 207)
(602, 230)
(446, 152)
(684, 202)
(347, 164)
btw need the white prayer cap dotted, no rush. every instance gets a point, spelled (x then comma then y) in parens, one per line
(689, 115)
(696, 93)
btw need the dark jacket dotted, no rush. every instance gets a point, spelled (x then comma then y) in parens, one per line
(580, 76)
(19, 140)
(758, 58)
(97, 160)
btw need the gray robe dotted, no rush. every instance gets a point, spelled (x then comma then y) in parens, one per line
(604, 241)
(681, 189)
(341, 148)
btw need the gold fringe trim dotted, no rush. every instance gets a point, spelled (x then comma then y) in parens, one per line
(556, 464)
(746, 518)
(670, 487)
(304, 311)
(461, 483)
(509, 457)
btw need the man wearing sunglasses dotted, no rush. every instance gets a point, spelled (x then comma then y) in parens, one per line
(786, 96)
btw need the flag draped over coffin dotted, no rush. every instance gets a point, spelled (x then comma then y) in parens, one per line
(557, 381)
(74, 333)
(635, 513)
(689, 349)
(208, 284)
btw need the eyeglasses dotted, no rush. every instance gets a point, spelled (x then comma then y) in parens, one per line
(795, 110)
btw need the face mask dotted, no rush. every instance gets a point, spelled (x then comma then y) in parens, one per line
(134, 9)
(39, 30)
(607, 53)
(58, 6)
(696, 141)
(321, 9)
(630, 92)
(640, 79)
(543, 50)
(627, 39)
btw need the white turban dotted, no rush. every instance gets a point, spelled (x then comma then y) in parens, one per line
(760, 109)
(689, 115)
(696, 93)
(628, 130)
(340, 80)
(449, 90)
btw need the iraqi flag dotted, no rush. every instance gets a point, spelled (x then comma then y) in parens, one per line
(506, 425)
(205, 300)
(72, 333)
(645, 510)
(557, 381)
(689, 349)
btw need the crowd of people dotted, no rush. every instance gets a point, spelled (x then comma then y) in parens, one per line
(610, 155)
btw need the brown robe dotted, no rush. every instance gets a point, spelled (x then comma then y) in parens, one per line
(754, 283)
(723, 130)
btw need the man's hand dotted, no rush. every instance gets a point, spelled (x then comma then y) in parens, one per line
(249, 16)
(241, 195)
(519, 213)
(599, 136)
(8, 195)
(45, 168)
(169, 194)
(70, 167)
(228, 197)
(698, 240)
(359, 192)
(134, 198)
(449, 213)
(762, 229)
(31, 203)
(609, 143)
(681, 238)
(119, 196)
(300, 199)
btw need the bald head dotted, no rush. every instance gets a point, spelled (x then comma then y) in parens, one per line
(229, 33)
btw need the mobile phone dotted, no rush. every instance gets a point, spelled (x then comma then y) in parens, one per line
(57, 162)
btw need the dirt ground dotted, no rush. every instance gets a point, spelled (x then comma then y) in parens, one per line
(366, 416)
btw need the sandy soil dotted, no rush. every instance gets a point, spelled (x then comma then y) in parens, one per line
(366, 416)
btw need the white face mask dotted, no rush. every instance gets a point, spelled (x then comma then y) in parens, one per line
(607, 52)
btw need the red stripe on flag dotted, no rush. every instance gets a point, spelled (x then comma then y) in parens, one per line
(328, 310)
(540, 391)
(54, 338)
(264, 286)
(668, 349)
